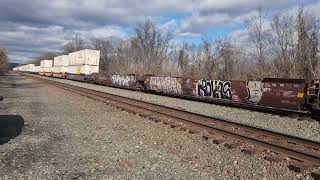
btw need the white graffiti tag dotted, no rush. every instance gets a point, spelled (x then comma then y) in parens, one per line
(215, 89)
(122, 80)
(166, 84)
(254, 89)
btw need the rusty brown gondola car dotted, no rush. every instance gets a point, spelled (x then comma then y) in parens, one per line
(284, 93)
(270, 92)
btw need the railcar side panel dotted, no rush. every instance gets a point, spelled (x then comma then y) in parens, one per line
(245, 92)
(124, 81)
(284, 93)
(77, 77)
(189, 87)
(162, 84)
(101, 78)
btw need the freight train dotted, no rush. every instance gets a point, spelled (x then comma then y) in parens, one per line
(294, 95)
(291, 95)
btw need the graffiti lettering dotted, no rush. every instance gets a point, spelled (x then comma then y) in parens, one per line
(215, 89)
(254, 89)
(122, 80)
(166, 84)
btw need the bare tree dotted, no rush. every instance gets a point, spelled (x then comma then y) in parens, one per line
(75, 44)
(258, 35)
(313, 45)
(3, 61)
(195, 60)
(282, 44)
(226, 59)
(183, 57)
(209, 62)
(150, 47)
(106, 49)
(307, 47)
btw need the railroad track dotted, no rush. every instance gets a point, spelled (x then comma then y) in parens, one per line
(299, 153)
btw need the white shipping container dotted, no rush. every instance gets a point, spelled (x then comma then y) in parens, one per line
(47, 69)
(59, 69)
(61, 61)
(30, 66)
(36, 69)
(32, 69)
(84, 69)
(46, 63)
(84, 57)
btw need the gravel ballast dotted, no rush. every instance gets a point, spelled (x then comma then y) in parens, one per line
(69, 136)
(283, 124)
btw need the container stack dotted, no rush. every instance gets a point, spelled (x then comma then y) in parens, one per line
(36, 69)
(60, 66)
(46, 67)
(28, 67)
(84, 62)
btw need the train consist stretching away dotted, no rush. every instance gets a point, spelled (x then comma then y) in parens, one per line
(294, 95)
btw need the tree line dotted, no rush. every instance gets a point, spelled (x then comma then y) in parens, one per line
(286, 47)
(3, 61)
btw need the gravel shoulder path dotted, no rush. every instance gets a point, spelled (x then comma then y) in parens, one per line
(68, 136)
(287, 125)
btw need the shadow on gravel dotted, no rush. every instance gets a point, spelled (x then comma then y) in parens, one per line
(10, 127)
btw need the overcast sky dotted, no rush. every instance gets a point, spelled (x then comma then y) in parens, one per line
(31, 27)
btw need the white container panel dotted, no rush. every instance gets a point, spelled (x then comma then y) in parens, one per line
(61, 61)
(92, 57)
(47, 69)
(37, 69)
(46, 63)
(87, 69)
(84, 57)
(84, 69)
(30, 66)
(74, 69)
(59, 69)
(73, 59)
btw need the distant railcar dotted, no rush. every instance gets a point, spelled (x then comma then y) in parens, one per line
(170, 85)
(121, 81)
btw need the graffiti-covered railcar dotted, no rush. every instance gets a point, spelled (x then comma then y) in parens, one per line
(270, 92)
(170, 85)
(121, 81)
(284, 93)
(241, 92)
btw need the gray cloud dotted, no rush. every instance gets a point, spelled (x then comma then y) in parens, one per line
(31, 27)
(211, 13)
